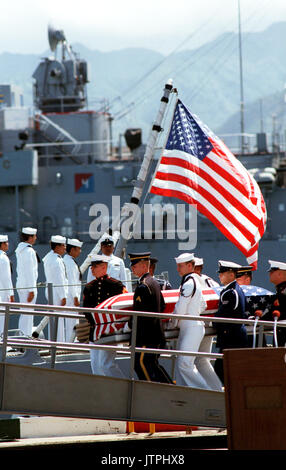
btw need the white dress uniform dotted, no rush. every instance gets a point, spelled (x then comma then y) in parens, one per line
(27, 276)
(5, 280)
(74, 287)
(206, 281)
(55, 273)
(116, 269)
(203, 364)
(191, 302)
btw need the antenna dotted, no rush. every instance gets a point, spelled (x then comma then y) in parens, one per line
(241, 82)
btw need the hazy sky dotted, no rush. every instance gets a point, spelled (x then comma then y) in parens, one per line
(114, 24)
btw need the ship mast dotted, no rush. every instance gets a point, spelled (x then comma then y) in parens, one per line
(242, 144)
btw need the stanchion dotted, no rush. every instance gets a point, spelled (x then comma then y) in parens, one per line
(276, 315)
(258, 314)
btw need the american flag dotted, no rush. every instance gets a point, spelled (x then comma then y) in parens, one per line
(110, 323)
(199, 169)
(258, 298)
(107, 323)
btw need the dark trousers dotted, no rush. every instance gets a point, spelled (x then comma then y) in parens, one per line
(218, 368)
(281, 337)
(147, 367)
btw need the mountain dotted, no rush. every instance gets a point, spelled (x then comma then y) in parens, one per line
(207, 79)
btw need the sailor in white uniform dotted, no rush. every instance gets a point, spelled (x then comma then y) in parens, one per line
(27, 275)
(116, 267)
(206, 280)
(55, 273)
(191, 302)
(6, 286)
(203, 364)
(74, 282)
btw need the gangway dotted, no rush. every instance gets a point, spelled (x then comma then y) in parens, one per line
(37, 390)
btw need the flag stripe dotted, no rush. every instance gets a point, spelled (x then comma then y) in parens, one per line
(202, 192)
(258, 205)
(174, 165)
(210, 215)
(182, 160)
(223, 166)
(189, 161)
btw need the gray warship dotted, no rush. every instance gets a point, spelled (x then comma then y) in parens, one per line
(55, 165)
(60, 160)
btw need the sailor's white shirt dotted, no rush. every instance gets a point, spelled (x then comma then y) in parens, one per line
(55, 273)
(5, 278)
(27, 267)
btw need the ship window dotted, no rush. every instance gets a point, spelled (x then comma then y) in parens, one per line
(281, 207)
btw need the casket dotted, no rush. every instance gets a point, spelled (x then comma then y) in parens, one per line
(108, 323)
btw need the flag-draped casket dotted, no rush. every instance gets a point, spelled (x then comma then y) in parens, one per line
(108, 323)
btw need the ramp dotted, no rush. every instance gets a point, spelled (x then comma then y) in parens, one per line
(33, 390)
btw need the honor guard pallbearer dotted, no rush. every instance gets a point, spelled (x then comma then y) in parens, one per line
(55, 273)
(277, 275)
(73, 250)
(205, 280)
(244, 275)
(148, 298)
(6, 286)
(27, 275)
(101, 288)
(116, 267)
(231, 305)
(164, 283)
(192, 371)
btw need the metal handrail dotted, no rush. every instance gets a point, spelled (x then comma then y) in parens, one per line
(62, 311)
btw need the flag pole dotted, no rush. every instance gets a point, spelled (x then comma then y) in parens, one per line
(143, 172)
(164, 146)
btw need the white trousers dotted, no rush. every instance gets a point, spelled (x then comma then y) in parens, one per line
(189, 370)
(69, 323)
(2, 320)
(204, 366)
(104, 363)
(26, 322)
(61, 336)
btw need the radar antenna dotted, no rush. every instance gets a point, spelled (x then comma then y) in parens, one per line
(60, 83)
(55, 36)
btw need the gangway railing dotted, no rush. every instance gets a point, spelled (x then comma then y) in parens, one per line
(44, 391)
(14, 308)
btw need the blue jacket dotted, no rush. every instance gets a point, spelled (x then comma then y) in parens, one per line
(231, 305)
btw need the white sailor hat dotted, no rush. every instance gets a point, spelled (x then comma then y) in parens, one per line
(224, 266)
(74, 242)
(199, 261)
(58, 239)
(96, 259)
(276, 265)
(29, 230)
(185, 258)
(107, 240)
(3, 238)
